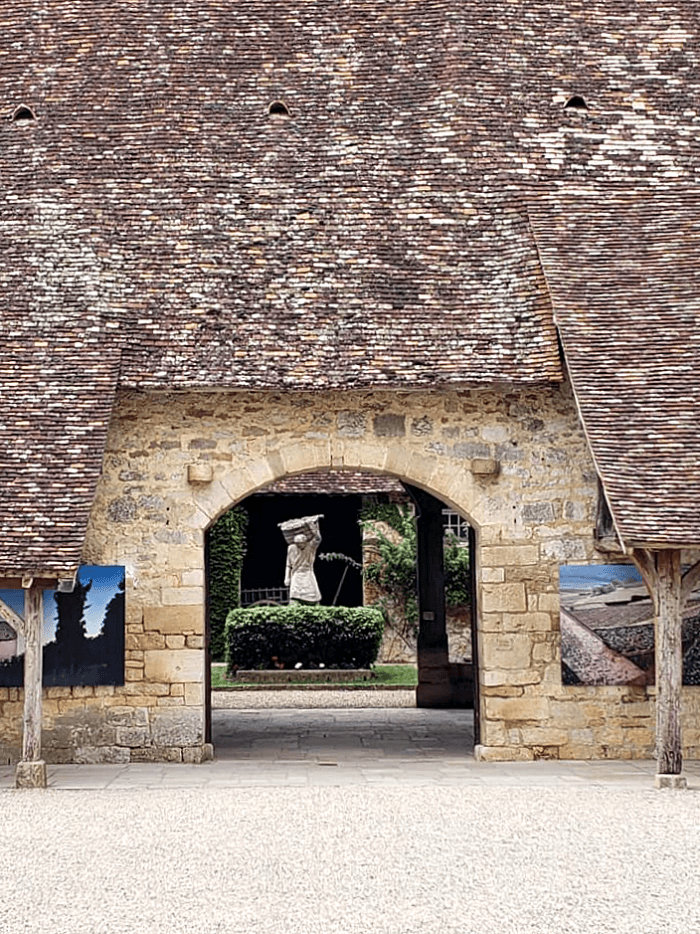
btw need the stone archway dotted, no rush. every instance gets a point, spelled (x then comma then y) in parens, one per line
(216, 495)
(441, 683)
(175, 462)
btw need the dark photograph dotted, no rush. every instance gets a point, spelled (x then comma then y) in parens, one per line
(83, 632)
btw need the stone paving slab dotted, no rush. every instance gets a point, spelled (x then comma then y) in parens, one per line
(318, 771)
(344, 747)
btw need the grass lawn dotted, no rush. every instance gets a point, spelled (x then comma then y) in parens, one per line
(387, 675)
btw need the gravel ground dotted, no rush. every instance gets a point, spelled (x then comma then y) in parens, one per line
(258, 700)
(329, 860)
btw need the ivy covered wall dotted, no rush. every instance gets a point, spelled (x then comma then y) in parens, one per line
(226, 548)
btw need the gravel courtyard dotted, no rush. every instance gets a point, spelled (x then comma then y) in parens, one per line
(350, 860)
(340, 821)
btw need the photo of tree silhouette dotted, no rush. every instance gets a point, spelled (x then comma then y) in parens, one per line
(83, 632)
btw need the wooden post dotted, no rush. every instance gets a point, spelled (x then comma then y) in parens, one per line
(669, 664)
(661, 571)
(433, 657)
(31, 770)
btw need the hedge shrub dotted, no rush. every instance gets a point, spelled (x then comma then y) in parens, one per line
(335, 636)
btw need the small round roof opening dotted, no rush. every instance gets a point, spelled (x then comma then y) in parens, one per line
(576, 103)
(278, 109)
(23, 114)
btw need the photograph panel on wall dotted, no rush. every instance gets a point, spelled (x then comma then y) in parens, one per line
(83, 632)
(607, 627)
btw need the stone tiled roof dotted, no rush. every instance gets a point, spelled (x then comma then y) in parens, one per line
(339, 482)
(57, 386)
(378, 237)
(624, 272)
(352, 245)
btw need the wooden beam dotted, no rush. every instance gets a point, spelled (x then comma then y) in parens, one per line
(647, 568)
(14, 619)
(31, 770)
(15, 583)
(33, 665)
(433, 657)
(661, 571)
(669, 662)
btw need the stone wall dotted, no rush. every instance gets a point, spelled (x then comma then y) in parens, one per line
(514, 463)
(156, 715)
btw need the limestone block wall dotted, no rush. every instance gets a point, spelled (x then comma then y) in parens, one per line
(157, 715)
(513, 462)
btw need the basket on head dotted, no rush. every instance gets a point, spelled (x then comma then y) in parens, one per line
(293, 527)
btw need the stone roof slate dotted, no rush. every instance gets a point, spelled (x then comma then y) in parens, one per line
(337, 482)
(379, 237)
(352, 245)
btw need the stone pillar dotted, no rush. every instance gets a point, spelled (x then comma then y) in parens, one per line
(433, 657)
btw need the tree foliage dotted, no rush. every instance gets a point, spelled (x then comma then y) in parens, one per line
(71, 627)
(394, 570)
(112, 637)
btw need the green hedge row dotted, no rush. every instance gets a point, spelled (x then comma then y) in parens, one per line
(334, 636)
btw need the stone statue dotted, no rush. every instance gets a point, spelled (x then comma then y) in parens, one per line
(303, 538)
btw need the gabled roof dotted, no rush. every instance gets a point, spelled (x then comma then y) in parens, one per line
(377, 237)
(623, 269)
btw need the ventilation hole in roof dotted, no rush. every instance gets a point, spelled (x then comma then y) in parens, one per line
(576, 103)
(22, 114)
(278, 109)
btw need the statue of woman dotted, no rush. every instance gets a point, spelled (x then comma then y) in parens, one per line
(301, 554)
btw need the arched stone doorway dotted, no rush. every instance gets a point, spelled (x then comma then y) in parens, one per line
(514, 463)
(441, 683)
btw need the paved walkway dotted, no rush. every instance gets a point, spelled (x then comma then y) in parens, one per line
(349, 746)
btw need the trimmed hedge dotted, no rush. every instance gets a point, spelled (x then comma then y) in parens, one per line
(335, 636)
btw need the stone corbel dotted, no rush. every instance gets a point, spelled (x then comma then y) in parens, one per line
(200, 473)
